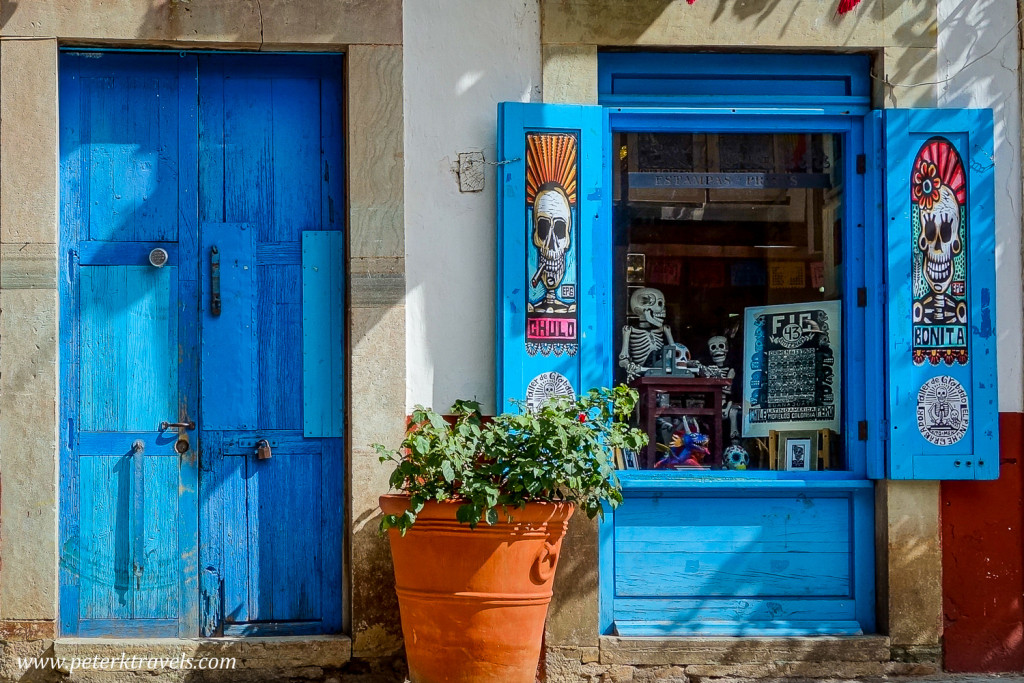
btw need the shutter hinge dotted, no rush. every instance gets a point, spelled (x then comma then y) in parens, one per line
(862, 297)
(862, 430)
(862, 164)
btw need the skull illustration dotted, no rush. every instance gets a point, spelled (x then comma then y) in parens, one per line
(552, 233)
(719, 347)
(648, 304)
(941, 393)
(940, 239)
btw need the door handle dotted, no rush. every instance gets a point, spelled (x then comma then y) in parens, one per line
(178, 425)
(214, 280)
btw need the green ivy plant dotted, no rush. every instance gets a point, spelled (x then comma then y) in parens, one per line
(561, 452)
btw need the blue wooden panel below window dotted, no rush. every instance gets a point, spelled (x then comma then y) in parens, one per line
(728, 561)
(943, 408)
(323, 324)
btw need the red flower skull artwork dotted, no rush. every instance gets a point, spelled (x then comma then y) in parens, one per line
(938, 196)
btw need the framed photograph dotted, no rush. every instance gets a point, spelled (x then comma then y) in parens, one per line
(631, 460)
(798, 451)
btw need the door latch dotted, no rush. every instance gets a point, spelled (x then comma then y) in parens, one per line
(181, 445)
(214, 281)
(263, 450)
(177, 425)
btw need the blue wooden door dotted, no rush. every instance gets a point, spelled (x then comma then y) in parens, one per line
(128, 355)
(272, 356)
(234, 161)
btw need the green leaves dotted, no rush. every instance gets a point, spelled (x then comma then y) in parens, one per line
(562, 452)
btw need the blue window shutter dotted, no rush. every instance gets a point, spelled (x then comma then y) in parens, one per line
(550, 338)
(940, 269)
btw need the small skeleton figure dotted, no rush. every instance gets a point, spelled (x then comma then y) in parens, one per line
(641, 345)
(942, 412)
(940, 242)
(718, 347)
(552, 236)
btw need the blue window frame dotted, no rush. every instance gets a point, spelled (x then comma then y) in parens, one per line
(702, 552)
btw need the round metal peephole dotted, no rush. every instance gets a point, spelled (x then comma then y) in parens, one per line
(158, 257)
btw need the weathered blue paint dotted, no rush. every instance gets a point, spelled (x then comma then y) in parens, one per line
(271, 168)
(183, 153)
(128, 518)
(323, 348)
(592, 362)
(229, 340)
(976, 454)
(717, 560)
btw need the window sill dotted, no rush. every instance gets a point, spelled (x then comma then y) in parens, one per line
(693, 650)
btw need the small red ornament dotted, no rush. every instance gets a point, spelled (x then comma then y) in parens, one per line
(583, 417)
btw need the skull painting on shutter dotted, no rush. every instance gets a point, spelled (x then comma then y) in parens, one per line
(551, 319)
(939, 254)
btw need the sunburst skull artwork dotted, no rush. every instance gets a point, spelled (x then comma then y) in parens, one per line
(939, 254)
(551, 178)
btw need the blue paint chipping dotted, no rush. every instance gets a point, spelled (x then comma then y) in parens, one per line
(986, 314)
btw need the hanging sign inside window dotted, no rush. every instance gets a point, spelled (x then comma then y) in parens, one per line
(738, 181)
(552, 321)
(792, 377)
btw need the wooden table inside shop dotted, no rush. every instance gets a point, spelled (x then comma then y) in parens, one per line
(709, 388)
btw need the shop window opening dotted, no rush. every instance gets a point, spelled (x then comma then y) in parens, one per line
(729, 297)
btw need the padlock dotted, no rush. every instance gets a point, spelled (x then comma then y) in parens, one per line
(263, 450)
(181, 445)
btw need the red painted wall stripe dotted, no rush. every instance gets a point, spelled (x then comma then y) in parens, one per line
(983, 563)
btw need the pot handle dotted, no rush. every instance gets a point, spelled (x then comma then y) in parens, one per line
(544, 564)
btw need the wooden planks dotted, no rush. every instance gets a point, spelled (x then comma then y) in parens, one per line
(323, 318)
(129, 347)
(229, 386)
(733, 563)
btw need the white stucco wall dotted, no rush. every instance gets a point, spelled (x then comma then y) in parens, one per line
(462, 57)
(968, 29)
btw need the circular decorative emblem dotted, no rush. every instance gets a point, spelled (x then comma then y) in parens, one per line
(544, 386)
(942, 411)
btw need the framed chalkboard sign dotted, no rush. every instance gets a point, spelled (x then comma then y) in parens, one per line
(792, 378)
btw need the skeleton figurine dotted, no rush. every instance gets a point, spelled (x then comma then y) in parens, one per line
(940, 241)
(718, 347)
(552, 235)
(643, 344)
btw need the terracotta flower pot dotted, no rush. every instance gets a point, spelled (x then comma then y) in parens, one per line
(473, 601)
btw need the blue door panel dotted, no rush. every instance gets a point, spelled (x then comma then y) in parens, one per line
(104, 564)
(229, 338)
(280, 345)
(323, 344)
(268, 169)
(129, 322)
